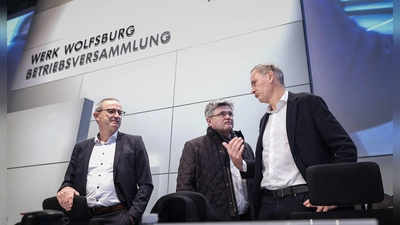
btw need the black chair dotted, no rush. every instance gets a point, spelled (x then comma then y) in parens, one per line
(78, 215)
(44, 217)
(346, 185)
(184, 206)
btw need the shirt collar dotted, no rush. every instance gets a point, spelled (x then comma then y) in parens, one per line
(111, 139)
(282, 102)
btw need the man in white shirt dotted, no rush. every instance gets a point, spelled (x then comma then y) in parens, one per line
(112, 170)
(217, 164)
(296, 132)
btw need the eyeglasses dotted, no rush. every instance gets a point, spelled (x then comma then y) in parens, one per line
(112, 112)
(223, 114)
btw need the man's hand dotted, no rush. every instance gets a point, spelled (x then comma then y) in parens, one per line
(235, 149)
(319, 208)
(65, 197)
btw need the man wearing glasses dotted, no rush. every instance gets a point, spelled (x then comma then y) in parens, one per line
(112, 170)
(218, 164)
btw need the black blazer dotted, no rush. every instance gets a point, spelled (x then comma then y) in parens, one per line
(132, 176)
(314, 135)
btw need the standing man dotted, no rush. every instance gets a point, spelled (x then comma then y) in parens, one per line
(112, 170)
(296, 132)
(218, 164)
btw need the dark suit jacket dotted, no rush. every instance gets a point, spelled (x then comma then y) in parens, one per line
(132, 176)
(314, 135)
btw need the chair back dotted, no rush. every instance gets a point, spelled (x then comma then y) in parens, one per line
(184, 206)
(345, 184)
(44, 217)
(78, 215)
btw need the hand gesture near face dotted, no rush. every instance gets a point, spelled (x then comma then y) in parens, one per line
(235, 149)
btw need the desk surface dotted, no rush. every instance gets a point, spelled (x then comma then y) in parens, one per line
(292, 222)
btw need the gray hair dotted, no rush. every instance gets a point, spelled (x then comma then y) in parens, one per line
(211, 106)
(264, 68)
(99, 105)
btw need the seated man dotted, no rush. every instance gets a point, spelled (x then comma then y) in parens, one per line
(217, 164)
(112, 170)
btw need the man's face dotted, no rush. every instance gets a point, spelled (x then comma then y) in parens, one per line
(109, 118)
(220, 123)
(260, 86)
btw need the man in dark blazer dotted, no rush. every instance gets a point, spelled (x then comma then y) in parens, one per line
(296, 132)
(112, 170)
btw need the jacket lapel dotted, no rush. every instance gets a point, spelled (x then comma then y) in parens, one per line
(87, 152)
(259, 147)
(118, 150)
(263, 124)
(291, 119)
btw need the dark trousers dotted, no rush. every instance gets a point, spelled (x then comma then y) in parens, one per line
(281, 208)
(246, 216)
(116, 218)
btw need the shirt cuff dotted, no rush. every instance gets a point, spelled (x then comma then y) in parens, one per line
(244, 167)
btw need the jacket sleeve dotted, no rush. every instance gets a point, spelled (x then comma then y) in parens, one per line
(69, 178)
(332, 132)
(143, 179)
(186, 180)
(248, 157)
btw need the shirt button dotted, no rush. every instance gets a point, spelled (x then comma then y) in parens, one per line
(97, 187)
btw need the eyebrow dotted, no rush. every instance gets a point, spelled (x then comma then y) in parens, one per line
(225, 112)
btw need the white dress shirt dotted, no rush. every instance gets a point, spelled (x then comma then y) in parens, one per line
(240, 188)
(100, 190)
(279, 169)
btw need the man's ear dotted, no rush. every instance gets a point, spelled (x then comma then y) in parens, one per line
(270, 76)
(96, 116)
(208, 120)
